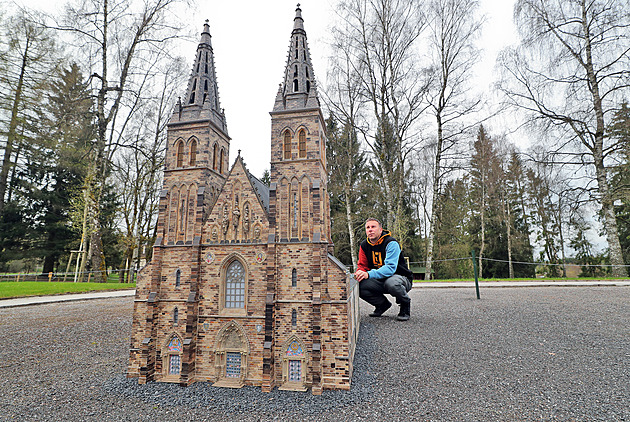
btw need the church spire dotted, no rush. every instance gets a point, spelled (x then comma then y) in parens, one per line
(203, 92)
(297, 90)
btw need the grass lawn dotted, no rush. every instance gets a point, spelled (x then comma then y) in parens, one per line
(9, 289)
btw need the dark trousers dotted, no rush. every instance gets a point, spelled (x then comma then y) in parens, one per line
(372, 290)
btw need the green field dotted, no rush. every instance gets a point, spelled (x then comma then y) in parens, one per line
(10, 289)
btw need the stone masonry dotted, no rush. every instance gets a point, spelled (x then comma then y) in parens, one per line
(243, 288)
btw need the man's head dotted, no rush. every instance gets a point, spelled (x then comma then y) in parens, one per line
(373, 229)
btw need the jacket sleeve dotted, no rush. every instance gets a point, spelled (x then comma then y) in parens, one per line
(363, 262)
(392, 253)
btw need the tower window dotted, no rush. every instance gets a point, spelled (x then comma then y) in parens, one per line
(295, 85)
(193, 152)
(214, 157)
(175, 316)
(302, 141)
(205, 85)
(180, 154)
(295, 72)
(294, 278)
(221, 161)
(287, 145)
(178, 278)
(308, 86)
(306, 69)
(294, 318)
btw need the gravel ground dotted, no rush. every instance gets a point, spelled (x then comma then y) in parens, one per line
(518, 354)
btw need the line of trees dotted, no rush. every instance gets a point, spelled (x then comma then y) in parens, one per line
(84, 102)
(85, 98)
(408, 141)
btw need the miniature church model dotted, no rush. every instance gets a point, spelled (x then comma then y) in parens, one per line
(243, 288)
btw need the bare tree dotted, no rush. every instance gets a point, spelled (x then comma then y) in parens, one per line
(454, 27)
(569, 74)
(138, 168)
(120, 41)
(343, 98)
(381, 39)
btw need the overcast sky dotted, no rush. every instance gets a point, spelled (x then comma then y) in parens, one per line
(251, 39)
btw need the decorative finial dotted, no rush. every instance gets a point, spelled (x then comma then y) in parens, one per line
(298, 6)
(239, 152)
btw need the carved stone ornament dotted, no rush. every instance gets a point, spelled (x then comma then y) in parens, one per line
(246, 219)
(210, 258)
(226, 222)
(215, 234)
(236, 214)
(257, 233)
(260, 257)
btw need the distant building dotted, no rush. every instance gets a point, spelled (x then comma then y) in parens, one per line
(243, 288)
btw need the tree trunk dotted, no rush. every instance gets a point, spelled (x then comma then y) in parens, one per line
(508, 223)
(13, 124)
(610, 221)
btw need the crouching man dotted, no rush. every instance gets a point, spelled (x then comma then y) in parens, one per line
(382, 269)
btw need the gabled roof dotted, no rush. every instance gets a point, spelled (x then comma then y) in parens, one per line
(262, 190)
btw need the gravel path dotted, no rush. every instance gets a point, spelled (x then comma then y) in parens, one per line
(526, 354)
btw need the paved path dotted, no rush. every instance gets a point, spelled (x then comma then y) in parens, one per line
(38, 300)
(537, 283)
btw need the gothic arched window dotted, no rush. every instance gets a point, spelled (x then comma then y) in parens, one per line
(302, 143)
(178, 277)
(287, 145)
(294, 278)
(235, 285)
(215, 152)
(175, 316)
(193, 152)
(221, 158)
(180, 154)
(294, 318)
(174, 358)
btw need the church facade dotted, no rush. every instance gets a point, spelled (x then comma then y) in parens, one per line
(242, 288)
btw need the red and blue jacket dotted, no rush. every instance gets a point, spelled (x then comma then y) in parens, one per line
(382, 259)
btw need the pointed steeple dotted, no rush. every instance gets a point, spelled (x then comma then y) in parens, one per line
(202, 93)
(298, 89)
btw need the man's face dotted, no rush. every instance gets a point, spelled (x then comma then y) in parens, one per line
(373, 231)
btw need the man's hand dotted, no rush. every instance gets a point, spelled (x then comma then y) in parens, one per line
(361, 275)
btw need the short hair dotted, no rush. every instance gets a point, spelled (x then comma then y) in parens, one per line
(373, 219)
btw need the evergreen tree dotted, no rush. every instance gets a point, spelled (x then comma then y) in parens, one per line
(453, 223)
(620, 129)
(67, 130)
(520, 244)
(350, 187)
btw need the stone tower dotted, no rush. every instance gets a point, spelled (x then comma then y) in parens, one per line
(196, 167)
(299, 223)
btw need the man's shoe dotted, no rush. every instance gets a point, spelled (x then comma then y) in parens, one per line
(380, 310)
(405, 312)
